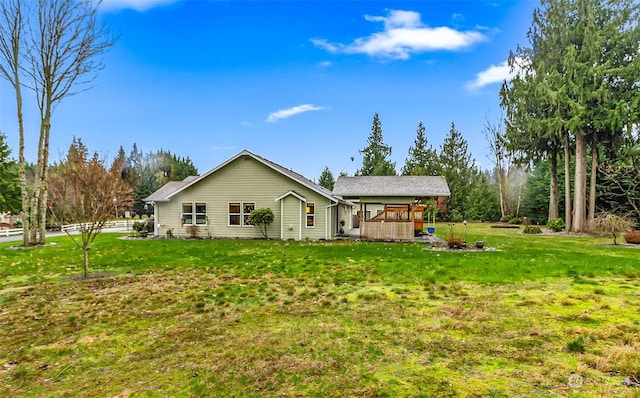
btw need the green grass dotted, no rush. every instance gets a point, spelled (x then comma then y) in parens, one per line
(257, 318)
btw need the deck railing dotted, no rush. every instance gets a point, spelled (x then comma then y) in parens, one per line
(387, 230)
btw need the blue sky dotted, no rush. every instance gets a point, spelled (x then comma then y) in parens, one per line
(297, 82)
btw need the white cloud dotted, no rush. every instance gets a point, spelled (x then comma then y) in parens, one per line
(138, 5)
(494, 74)
(404, 34)
(286, 113)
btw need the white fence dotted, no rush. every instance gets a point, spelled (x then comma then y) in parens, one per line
(71, 227)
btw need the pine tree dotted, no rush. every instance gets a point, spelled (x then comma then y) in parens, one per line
(10, 200)
(421, 160)
(459, 169)
(375, 159)
(326, 179)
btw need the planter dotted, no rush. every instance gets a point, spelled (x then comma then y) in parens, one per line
(431, 230)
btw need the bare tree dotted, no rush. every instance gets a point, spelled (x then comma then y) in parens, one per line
(58, 54)
(11, 35)
(504, 166)
(85, 193)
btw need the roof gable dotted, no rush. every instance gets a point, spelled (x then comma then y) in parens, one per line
(172, 188)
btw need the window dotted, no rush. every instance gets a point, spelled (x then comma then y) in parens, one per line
(194, 212)
(311, 215)
(239, 213)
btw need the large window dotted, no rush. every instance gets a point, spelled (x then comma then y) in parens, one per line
(194, 213)
(239, 213)
(311, 215)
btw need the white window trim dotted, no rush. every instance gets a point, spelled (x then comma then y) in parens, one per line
(310, 214)
(241, 214)
(194, 215)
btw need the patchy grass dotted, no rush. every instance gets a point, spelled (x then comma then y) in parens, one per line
(256, 318)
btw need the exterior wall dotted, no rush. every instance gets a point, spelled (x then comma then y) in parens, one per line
(243, 180)
(292, 209)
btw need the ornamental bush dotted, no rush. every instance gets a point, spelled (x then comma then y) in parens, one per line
(532, 229)
(606, 224)
(556, 224)
(262, 218)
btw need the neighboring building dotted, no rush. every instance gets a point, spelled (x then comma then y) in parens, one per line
(217, 204)
(7, 220)
(391, 207)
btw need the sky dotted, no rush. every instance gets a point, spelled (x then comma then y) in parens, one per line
(295, 81)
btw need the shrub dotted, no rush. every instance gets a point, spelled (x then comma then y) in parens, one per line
(556, 225)
(633, 237)
(611, 225)
(143, 227)
(504, 219)
(192, 230)
(532, 229)
(515, 220)
(453, 239)
(262, 218)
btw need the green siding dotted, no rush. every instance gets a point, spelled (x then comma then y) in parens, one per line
(291, 219)
(243, 180)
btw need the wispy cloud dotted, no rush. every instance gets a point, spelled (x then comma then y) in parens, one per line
(138, 5)
(286, 113)
(494, 74)
(404, 34)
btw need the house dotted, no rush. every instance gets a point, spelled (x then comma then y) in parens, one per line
(217, 204)
(391, 207)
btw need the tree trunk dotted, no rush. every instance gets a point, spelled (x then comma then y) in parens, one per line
(553, 186)
(85, 252)
(45, 128)
(501, 191)
(580, 181)
(568, 219)
(22, 174)
(593, 181)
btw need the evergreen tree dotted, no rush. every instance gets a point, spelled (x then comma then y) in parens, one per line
(421, 160)
(326, 179)
(146, 173)
(459, 169)
(582, 71)
(482, 203)
(10, 200)
(375, 159)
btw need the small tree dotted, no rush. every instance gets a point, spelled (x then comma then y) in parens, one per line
(261, 219)
(606, 224)
(326, 179)
(87, 196)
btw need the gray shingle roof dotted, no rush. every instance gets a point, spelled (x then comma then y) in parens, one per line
(418, 186)
(167, 190)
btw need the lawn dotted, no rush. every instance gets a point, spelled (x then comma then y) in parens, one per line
(539, 316)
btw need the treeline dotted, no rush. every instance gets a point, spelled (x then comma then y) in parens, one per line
(147, 172)
(142, 173)
(473, 196)
(574, 107)
(570, 137)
